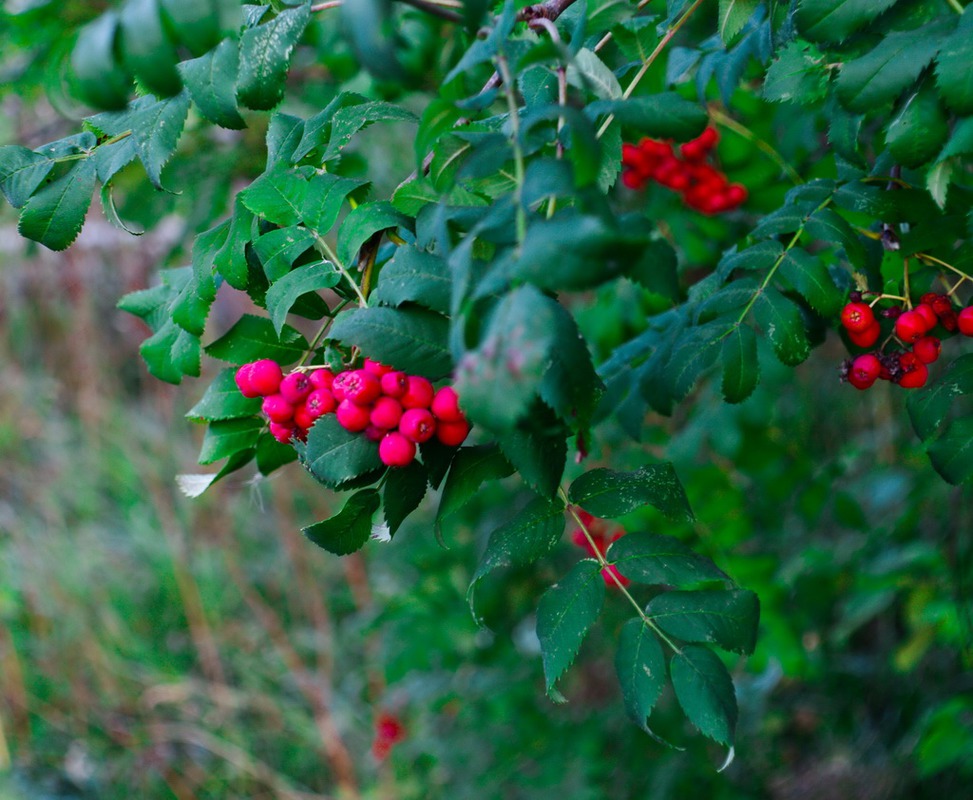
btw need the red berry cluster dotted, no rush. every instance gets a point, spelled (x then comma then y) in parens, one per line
(603, 536)
(397, 410)
(389, 730)
(913, 328)
(702, 186)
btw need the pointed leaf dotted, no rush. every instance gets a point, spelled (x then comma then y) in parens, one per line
(286, 290)
(210, 80)
(724, 617)
(322, 203)
(661, 560)
(349, 529)
(741, 369)
(335, 456)
(835, 20)
(361, 224)
(705, 692)
(101, 81)
(277, 195)
(226, 437)
(404, 489)
(471, 467)
(349, 120)
(782, 323)
(252, 338)
(641, 669)
(21, 172)
(265, 53)
(148, 50)
(953, 74)
(415, 276)
(733, 15)
(609, 494)
(565, 613)
(54, 215)
(224, 401)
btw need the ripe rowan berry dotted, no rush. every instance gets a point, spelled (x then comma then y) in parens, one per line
(352, 417)
(867, 337)
(930, 317)
(243, 382)
(914, 376)
(277, 408)
(295, 387)
(394, 384)
(321, 378)
(361, 387)
(452, 434)
(864, 371)
(418, 424)
(445, 405)
(386, 413)
(265, 376)
(857, 317)
(910, 326)
(964, 321)
(320, 402)
(303, 418)
(927, 349)
(418, 394)
(282, 431)
(377, 369)
(395, 450)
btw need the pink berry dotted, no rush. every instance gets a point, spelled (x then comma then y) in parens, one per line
(303, 418)
(928, 315)
(282, 431)
(320, 402)
(395, 450)
(418, 424)
(374, 433)
(243, 381)
(866, 337)
(321, 378)
(265, 377)
(394, 384)
(377, 369)
(965, 321)
(386, 413)
(445, 405)
(452, 434)
(418, 394)
(352, 417)
(864, 371)
(909, 326)
(927, 349)
(295, 387)
(277, 408)
(361, 387)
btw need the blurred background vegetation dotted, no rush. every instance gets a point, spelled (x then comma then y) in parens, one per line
(157, 646)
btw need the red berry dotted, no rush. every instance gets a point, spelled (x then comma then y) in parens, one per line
(693, 151)
(655, 148)
(265, 377)
(418, 394)
(612, 570)
(929, 298)
(277, 408)
(295, 387)
(708, 138)
(949, 320)
(242, 379)
(320, 402)
(352, 417)
(339, 384)
(736, 194)
(867, 337)
(386, 413)
(964, 320)
(377, 369)
(394, 384)
(452, 434)
(321, 378)
(909, 326)
(445, 405)
(926, 312)
(942, 305)
(282, 431)
(362, 387)
(303, 418)
(915, 376)
(395, 450)
(374, 433)
(857, 317)
(633, 180)
(864, 371)
(418, 424)
(927, 349)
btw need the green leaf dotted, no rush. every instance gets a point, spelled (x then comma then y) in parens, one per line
(953, 74)
(471, 467)
(798, 74)
(641, 669)
(265, 53)
(656, 269)
(565, 613)
(835, 20)
(705, 692)
(335, 456)
(223, 400)
(148, 50)
(252, 338)
(829, 226)
(810, 277)
(278, 195)
(21, 172)
(667, 115)
(532, 533)
(361, 224)
(54, 215)
(230, 261)
(286, 290)
(278, 249)
(609, 494)
(349, 529)
(415, 276)
(347, 121)
(194, 23)
(694, 353)
(272, 455)
(757, 258)
(210, 81)
(929, 407)
(587, 71)
(951, 453)
(781, 321)
(571, 387)
(322, 203)
(226, 437)
(724, 617)
(498, 379)
(921, 128)
(661, 560)
(404, 489)
(879, 76)
(733, 15)
(741, 369)
(170, 353)
(410, 339)
(538, 451)
(100, 80)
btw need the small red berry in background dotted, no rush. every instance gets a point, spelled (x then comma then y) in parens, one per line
(389, 731)
(452, 434)
(602, 536)
(964, 321)
(865, 370)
